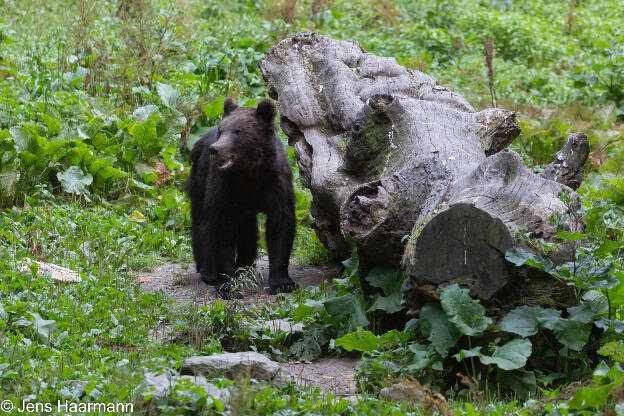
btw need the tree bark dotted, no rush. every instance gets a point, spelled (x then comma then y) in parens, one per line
(406, 168)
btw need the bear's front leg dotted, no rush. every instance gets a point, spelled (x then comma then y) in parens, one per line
(217, 249)
(280, 234)
(247, 240)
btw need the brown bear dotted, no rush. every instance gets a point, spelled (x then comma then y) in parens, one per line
(239, 169)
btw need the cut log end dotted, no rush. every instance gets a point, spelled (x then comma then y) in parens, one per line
(463, 244)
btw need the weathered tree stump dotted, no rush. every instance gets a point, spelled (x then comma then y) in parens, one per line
(408, 169)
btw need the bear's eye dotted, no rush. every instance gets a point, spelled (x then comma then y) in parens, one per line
(237, 131)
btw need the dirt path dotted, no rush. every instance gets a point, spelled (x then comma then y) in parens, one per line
(332, 375)
(183, 284)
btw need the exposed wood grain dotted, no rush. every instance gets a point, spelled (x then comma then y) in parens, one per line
(391, 156)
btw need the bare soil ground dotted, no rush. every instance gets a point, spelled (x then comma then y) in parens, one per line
(184, 285)
(331, 374)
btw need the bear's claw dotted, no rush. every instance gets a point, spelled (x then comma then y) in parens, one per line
(212, 279)
(283, 285)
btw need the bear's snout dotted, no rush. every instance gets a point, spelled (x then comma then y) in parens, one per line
(223, 156)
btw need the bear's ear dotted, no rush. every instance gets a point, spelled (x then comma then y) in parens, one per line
(228, 106)
(266, 110)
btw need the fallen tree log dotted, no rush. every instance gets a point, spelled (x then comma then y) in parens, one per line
(408, 169)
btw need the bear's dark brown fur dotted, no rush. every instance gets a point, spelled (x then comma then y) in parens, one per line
(239, 169)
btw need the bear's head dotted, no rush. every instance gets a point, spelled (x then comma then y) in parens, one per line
(245, 137)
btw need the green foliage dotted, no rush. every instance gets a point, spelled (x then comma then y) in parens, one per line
(359, 340)
(510, 356)
(608, 382)
(521, 321)
(390, 281)
(466, 313)
(74, 181)
(438, 329)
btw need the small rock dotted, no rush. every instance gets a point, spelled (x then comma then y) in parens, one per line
(234, 364)
(280, 325)
(161, 385)
(57, 273)
(412, 391)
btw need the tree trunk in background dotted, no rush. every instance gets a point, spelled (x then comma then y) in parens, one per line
(406, 168)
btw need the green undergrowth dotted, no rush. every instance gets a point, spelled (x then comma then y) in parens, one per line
(106, 332)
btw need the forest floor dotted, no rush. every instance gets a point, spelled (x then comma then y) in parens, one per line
(183, 284)
(332, 375)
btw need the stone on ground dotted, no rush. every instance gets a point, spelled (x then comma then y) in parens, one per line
(162, 385)
(281, 325)
(412, 391)
(234, 364)
(56, 273)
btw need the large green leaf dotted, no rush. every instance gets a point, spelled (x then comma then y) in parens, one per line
(606, 248)
(168, 95)
(548, 318)
(76, 155)
(436, 326)
(307, 309)
(521, 321)
(57, 149)
(390, 281)
(21, 138)
(347, 309)
(144, 133)
(108, 172)
(465, 312)
(592, 398)
(215, 108)
(511, 356)
(462, 354)
(421, 357)
(8, 181)
(171, 126)
(393, 338)
(568, 236)
(74, 181)
(359, 340)
(91, 128)
(143, 113)
(352, 265)
(519, 256)
(573, 332)
(100, 163)
(388, 304)
(44, 327)
(582, 313)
